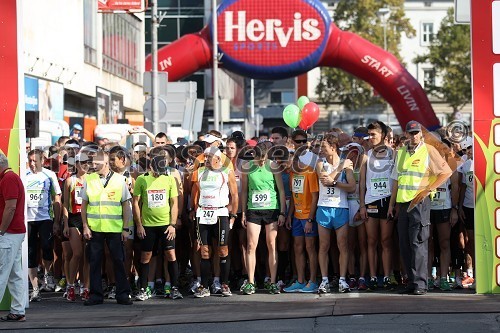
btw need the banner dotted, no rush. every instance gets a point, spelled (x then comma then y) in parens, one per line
(50, 100)
(30, 93)
(109, 106)
(118, 5)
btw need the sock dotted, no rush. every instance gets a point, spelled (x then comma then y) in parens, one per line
(198, 279)
(361, 278)
(173, 270)
(159, 281)
(282, 264)
(224, 269)
(267, 279)
(470, 273)
(342, 278)
(167, 284)
(216, 278)
(71, 284)
(151, 285)
(205, 272)
(144, 275)
(325, 279)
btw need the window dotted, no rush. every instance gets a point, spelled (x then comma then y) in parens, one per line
(427, 33)
(429, 78)
(282, 97)
(90, 31)
(120, 46)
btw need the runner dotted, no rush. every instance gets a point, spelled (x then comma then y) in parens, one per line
(263, 196)
(155, 215)
(44, 207)
(211, 195)
(336, 179)
(375, 193)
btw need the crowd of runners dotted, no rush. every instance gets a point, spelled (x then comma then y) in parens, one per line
(286, 212)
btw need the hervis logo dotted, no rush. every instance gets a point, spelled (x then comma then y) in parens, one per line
(272, 36)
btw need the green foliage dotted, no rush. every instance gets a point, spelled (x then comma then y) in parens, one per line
(450, 56)
(360, 17)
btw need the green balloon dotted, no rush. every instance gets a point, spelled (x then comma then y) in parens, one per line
(303, 100)
(291, 115)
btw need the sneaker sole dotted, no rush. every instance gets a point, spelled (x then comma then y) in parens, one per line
(309, 291)
(293, 291)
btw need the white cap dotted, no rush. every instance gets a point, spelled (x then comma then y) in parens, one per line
(81, 157)
(211, 138)
(466, 143)
(138, 148)
(213, 151)
(307, 158)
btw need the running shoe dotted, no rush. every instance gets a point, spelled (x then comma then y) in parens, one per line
(372, 284)
(45, 283)
(104, 285)
(226, 291)
(430, 283)
(362, 284)
(65, 294)
(71, 294)
(296, 287)
(194, 286)
(167, 290)
(353, 284)
(473, 285)
(35, 296)
(311, 287)
(143, 295)
(393, 281)
(444, 285)
(61, 285)
(324, 287)
(343, 286)
(248, 288)
(216, 288)
(267, 284)
(458, 283)
(175, 293)
(273, 289)
(467, 282)
(281, 285)
(201, 292)
(112, 293)
(243, 285)
(85, 294)
(388, 284)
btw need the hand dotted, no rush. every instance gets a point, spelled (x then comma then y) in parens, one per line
(308, 227)
(66, 231)
(192, 215)
(326, 180)
(421, 195)
(289, 223)
(461, 214)
(363, 214)
(357, 216)
(281, 220)
(390, 213)
(56, 229)
(125, 235)
(140, 232)
(231, 223)
(87, 234)
(170, 232)
(244, 220)
(453, 217)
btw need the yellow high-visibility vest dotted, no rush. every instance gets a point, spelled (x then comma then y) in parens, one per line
(411, 173)
(104, 210)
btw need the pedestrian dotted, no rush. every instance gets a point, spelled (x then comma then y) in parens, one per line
(419, 170)
(12, 231)
(105, 214)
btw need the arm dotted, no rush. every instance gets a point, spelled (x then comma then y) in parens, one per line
(392, 202)
(65, 209)
(461, 197)
(455, 193)
(282, 199)
(180, 198)
(362, 189)
(8, 215)
(233, 190)
(136, 211)
(174, 211)
(127, 217)
(244, 198)
(350, 186)
(87, 234)
(195, 193)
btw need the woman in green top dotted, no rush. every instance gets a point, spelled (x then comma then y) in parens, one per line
(263, 200)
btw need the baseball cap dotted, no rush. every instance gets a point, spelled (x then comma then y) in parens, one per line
(237, 135)
(139, 148)
(78, 127)
(251, 143)
(81, 157)
(211, 138)
(361, 132)
(466, 143)
(213, 151)
(307, 158)
(413, 126)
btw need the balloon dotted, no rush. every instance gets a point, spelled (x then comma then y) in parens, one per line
(302, 101)
(291, 115)
(310, 114)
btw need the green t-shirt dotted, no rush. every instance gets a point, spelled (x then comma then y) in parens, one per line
(155, 193)
(262, 190)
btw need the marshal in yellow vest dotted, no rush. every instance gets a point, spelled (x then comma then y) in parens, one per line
(104, 210)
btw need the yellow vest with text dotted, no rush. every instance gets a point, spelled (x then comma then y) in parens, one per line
(411, 172)
(104, 210)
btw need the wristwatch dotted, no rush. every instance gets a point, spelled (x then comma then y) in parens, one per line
(310, 220)
(126, 229)
(456, 207)
(334, 183)
(282, 214)
(233, 216)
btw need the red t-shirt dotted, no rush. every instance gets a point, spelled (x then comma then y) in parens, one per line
(11, 187)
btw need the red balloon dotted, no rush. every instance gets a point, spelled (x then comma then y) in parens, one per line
(310, 115)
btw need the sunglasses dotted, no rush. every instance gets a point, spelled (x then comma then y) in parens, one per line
(300, 141)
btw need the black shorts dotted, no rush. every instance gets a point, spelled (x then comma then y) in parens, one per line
(440, 216)
(218, 231)
(469, 218)
(378, 209)
(156, 240)
(40, 235)
(262, 216)
(75, 221)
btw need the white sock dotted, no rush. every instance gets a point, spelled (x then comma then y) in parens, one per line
(167, 284)
(342, 278)
(198, 279)
(216, 279)
(325, 278)
(361, 278)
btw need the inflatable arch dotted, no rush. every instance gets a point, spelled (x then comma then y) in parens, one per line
(278, 39)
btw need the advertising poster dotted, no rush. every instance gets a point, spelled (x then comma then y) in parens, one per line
(50, 100)
(109, 106)
(30, 93)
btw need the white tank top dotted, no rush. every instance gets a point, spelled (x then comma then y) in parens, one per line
(442, 198)
(214, 188)
(378, 176)
(354, 196)
(332, 196)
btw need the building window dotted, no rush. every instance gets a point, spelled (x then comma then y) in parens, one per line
(427, 34)
(429, 78)
(90, 31)
(282, 97)
(121, 45)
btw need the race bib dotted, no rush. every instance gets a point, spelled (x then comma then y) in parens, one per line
(298, 184)
(207, 215)
(372, 209)
(331, 195)
(439, 197)
(469, 178)
(380, 186)
(36, 198)
(157, 198)
(78, 195)
(261, 199)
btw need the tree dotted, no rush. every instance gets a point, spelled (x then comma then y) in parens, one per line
(360, 17)
(450, 55)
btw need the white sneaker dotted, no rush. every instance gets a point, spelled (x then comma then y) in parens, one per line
(35, 296)
(216, 287)
(112, 293)
(324, 287)
(194, 286)
(343, 286)
(281, 285)
(48, 283)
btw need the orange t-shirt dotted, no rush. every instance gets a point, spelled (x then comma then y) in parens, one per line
(303, 184)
